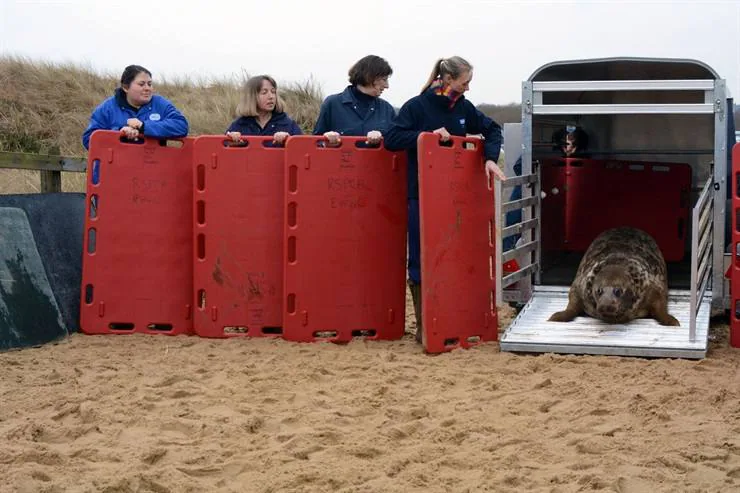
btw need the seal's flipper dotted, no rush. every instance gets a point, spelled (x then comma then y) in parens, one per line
(565, 316)
(664, 318)
(659, 309)
(574, 308)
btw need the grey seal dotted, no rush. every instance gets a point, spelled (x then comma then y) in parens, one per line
(621, 277)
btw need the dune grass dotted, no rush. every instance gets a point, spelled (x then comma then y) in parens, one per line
(45, 107)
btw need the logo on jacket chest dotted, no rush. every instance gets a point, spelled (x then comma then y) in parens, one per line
(155, 117)
(456, 125)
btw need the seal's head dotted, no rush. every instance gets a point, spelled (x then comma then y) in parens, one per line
(613, 293)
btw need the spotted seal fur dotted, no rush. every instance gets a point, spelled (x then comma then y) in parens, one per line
(621, 277)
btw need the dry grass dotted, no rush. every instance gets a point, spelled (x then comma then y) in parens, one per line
(45, 107)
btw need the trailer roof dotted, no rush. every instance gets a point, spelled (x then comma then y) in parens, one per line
(624, 68)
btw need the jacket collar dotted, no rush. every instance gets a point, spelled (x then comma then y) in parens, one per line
(441, 101)
(123, 102)
(347, 96)
(275, 118)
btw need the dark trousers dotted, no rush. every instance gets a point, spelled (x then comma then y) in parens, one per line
(414, 265)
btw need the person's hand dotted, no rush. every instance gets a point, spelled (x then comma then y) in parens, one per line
(134, 123)
(374, 137)
(444, 135)
(235, 136)
(129, 133)
(333, 138)
(492, 167)
(280, 137)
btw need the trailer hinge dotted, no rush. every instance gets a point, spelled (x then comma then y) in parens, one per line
(719, 108)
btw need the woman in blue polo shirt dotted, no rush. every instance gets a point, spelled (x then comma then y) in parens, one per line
(135, 110)
(440, 108)
(261, 112)
(358, 110)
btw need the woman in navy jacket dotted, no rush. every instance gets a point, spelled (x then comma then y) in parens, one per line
(359, 109)
(261, 110)
(135, 110)
(440, 108)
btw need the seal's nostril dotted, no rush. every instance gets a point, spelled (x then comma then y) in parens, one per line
(608, 309)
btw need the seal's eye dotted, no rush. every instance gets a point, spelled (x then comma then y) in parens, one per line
(617, 292)
(599, 292)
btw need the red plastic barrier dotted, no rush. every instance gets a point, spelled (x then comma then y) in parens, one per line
(137, 269)
(735, 271)
(457, 262)
(345, 243)
(552, 173)
(598, 195)
(653, 197)
(238, 218)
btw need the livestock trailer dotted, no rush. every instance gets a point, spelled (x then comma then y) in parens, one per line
(657, 159)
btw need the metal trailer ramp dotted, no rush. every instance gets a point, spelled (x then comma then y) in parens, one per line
(531, 332)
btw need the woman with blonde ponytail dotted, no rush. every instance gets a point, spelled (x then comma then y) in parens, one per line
(440, 108)
(452, 67)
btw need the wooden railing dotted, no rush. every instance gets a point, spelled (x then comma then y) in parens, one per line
(50, 167)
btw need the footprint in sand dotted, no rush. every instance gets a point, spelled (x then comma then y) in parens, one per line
(153, 456)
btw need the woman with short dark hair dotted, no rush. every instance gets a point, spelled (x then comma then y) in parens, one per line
(135, 110)
(262, 112)
(358, 110)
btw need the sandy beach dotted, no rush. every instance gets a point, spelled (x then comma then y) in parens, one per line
(185, 414)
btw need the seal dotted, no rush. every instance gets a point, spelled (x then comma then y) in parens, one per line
(621, 277)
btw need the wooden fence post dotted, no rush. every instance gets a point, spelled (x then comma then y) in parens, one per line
(51, 181)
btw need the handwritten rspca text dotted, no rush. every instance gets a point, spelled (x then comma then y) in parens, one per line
(348, 202)
(147, 190)
(347, 185)
(460, 186)
(150, 156)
